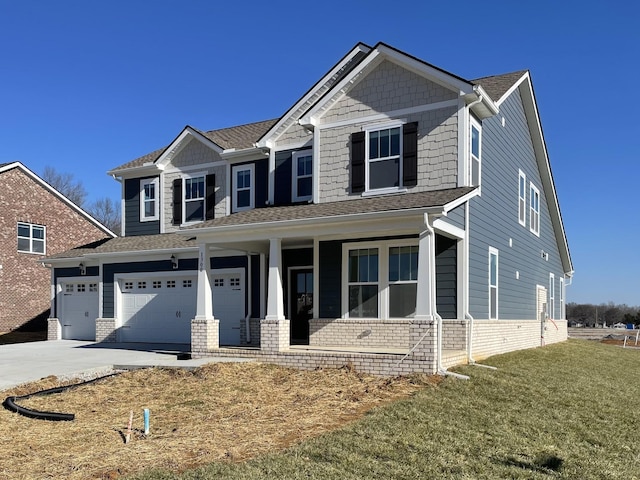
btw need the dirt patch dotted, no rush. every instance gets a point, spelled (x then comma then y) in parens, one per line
(220, 412)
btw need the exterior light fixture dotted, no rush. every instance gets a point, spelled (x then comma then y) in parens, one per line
(174, 262)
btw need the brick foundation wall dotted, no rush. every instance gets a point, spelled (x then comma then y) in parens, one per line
(106, 330)
(274, 335)
(354, 332)
(54, 329)
(254, 325)
(25, 285)
(454, 334)
(205, 335)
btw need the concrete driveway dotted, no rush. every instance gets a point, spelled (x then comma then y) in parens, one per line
(26, 362)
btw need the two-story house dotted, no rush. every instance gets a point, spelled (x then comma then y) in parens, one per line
(35, 221)
(397, 216)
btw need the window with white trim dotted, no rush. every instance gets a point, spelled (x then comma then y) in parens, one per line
(563, 312)
(552, 296)
(31, 238)
(493, 283)
(194, 191)
(475, 153)
(534, 209)
(302, 178)
(149, 200)
(243, 190)
(383, 168)
(381, 279)
(522, 198)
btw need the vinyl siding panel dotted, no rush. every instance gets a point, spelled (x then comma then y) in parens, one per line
(446, 277)
(494, 222)
(330, 279)
(282, 193)
(132, 224)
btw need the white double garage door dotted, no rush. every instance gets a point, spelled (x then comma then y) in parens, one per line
(156, 309)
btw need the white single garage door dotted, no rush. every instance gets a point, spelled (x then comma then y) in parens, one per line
(79, 309)
(228, 304)
(158, 310)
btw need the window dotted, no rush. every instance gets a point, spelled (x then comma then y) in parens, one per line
(522, 198)
(493, 283)
(218, 282)
(149, 200)
(81, 287)
(563, 313)
(31, 238)
(128, 285)
(171, 284)
(363, 283)
(186, 284)
(142, 285)
(234, 282)
(475, 153)
(157, 284)
(403, 281)
(243, 188)
(383, 166)
(302, 187)
(93, 287)
(552, 296)
(68, 288)
(534, 209)
(194, 199)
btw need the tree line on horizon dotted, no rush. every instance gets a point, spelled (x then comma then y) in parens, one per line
(591, 315)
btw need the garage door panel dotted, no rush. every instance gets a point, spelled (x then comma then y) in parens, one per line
(79, 310)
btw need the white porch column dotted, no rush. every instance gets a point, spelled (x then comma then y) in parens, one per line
(274, 328)
(204, 308)
(425, 303)
(205, 329)
(275, 297)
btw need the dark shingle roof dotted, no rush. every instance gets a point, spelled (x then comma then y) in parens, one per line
(239, 137)
(497, 85)
(346, 207)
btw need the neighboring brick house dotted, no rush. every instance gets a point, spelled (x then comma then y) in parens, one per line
(397, 217)
(35, 221)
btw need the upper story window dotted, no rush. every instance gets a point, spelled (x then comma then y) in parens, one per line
(302, 177)
(384, 158)
(194, 199)
(243, 188)
(31, 238)
(475, 153)
(522, 198)
(149, 200)
(534, 209)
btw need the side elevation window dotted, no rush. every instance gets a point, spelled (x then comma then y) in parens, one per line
(302, 187)
(534, 209)
(149, 200)
(493, 283)
(384, 158)
(243, 190)
(522, 198)
(475, 153)
(31, 238)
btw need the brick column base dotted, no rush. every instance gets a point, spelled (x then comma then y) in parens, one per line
(423, 340)
(205, 336)
(106, 330)
(274, 335)
(54, 329)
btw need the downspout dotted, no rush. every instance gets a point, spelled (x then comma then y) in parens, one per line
(247, 318)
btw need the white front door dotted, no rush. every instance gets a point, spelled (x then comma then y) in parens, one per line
(79, 309)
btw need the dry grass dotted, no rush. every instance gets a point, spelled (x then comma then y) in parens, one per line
(220, 412)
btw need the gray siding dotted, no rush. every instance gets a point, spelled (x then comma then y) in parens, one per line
(330, 279)
(446, 277)
(455, 217)
(494, 222)
(132, 224)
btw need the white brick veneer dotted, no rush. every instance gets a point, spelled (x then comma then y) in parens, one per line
(205, 336)
(54, 329)
(106, 330)
(274, 335)
(359, 333)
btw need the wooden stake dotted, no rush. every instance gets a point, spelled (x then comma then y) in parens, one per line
(128, 436)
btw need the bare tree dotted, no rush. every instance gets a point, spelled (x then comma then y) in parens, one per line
(107, 212)
(65, 184)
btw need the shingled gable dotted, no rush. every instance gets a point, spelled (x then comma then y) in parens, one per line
(498, 85)
(238, 137)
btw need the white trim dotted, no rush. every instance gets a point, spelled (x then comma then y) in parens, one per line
(177, 145)
(369, 129)
(494, 252)
(316, 288)
(295, 156)
(316, 169)
(142, 199)
(390, 116)
(228, 190)
(184, 179)
(441, 225)
(521, 176)
(535, 229)
(473, 123)
(513, 88)
(57, 194)
(272, 178)
(252, 190)
(31, 238)
(463, 114)
(200, 166)
(551, 299)
(293, 146)
(563, 312)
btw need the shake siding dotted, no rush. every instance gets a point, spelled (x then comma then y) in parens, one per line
(133, 225)
(294, 134)
(494, 221)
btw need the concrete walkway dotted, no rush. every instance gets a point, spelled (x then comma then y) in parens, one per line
(27, 362)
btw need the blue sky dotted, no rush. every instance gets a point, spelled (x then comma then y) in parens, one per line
(87, 86)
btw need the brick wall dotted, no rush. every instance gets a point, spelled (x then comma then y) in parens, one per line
(359, 333)
(25, 291)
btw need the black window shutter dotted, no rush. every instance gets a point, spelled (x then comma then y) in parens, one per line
(177, 201)
(357, 162)
(410, 154)
(210, 197)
